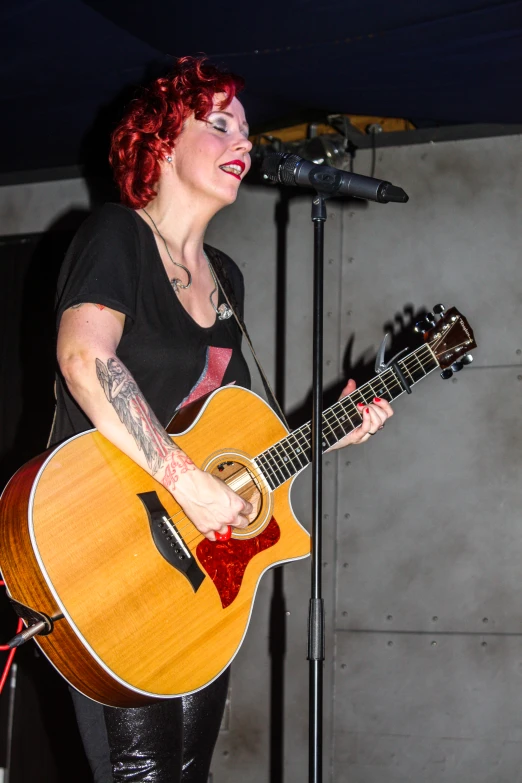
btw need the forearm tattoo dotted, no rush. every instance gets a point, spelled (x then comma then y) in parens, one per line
(177, 462)
(125, 397)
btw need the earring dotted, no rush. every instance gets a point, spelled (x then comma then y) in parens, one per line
(168, 158)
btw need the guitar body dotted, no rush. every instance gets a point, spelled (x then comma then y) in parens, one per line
(145, 607)
(76, 539)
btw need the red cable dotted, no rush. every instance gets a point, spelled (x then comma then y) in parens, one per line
(10, 657)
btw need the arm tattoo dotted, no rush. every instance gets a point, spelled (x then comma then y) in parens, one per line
(125, 397)
(177, 460)
(81, 304)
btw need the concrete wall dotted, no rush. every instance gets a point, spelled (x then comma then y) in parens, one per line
(423, 539)
(35, 207)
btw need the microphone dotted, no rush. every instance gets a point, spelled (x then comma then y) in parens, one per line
(289, 169)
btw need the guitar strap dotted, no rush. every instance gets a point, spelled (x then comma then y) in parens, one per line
(228, 292)
(49, 439)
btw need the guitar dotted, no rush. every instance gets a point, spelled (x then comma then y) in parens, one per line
(131, 603)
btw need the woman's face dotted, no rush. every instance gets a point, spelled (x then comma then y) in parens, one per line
(211, 156)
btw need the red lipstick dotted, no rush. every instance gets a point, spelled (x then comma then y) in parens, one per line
(228, 168)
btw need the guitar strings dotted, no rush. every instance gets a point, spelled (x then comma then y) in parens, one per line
(395, 384)
(263, 493)
(407, 363)
(391, 386)
(330, 418)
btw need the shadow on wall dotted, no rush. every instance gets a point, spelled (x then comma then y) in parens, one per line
(45, 742)
(28, 327)
(402, 337)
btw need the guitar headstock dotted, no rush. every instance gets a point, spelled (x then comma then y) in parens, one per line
(451, 339)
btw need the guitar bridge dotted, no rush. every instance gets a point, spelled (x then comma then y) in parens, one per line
(169, 541)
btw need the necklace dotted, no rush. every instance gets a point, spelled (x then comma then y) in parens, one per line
(174, 281)
(223, 311)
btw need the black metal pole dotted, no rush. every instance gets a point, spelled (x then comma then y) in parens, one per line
(316, 650)
(278, 620)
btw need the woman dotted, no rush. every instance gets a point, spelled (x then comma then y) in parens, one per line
(140, 333)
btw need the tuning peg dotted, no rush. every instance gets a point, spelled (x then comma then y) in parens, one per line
(445, 374)
(439, 309)
(456, 366)
(467, 359)
(425, 324)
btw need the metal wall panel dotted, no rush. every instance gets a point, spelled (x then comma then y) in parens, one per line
(414, 707)
(425, 523)
(435, 512)
(432, 545)
(456, 241)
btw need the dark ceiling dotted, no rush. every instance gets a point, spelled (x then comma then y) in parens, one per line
(68, 67)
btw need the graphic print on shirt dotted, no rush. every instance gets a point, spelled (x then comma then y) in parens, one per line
(216, 363)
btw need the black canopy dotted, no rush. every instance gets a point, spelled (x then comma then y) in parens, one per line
(69, 66)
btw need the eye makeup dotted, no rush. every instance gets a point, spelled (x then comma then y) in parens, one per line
(244, 127)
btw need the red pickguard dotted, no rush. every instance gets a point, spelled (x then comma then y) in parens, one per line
(225, 561)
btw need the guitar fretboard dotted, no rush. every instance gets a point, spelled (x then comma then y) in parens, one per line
(291, 454)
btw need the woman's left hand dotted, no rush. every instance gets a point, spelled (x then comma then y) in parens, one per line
(374, 417)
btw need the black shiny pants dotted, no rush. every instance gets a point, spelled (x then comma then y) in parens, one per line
(170, 741)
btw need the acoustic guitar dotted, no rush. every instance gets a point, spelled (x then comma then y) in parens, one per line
(132, 604)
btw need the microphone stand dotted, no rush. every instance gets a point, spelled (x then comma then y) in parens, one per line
(316, 639)
(289, 169)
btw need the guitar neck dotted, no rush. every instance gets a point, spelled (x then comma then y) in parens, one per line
(290, 455)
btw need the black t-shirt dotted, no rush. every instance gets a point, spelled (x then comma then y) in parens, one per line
(114, 261)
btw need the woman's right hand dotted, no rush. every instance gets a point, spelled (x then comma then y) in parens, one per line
(209, 503)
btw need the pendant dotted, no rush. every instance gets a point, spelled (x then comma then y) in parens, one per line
(224, 312)
(176, 283)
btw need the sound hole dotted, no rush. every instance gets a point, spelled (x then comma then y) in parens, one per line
(244, 483)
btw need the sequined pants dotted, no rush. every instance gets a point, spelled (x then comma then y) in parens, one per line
(167, 742)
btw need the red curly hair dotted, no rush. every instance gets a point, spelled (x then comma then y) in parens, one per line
(155, 119)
